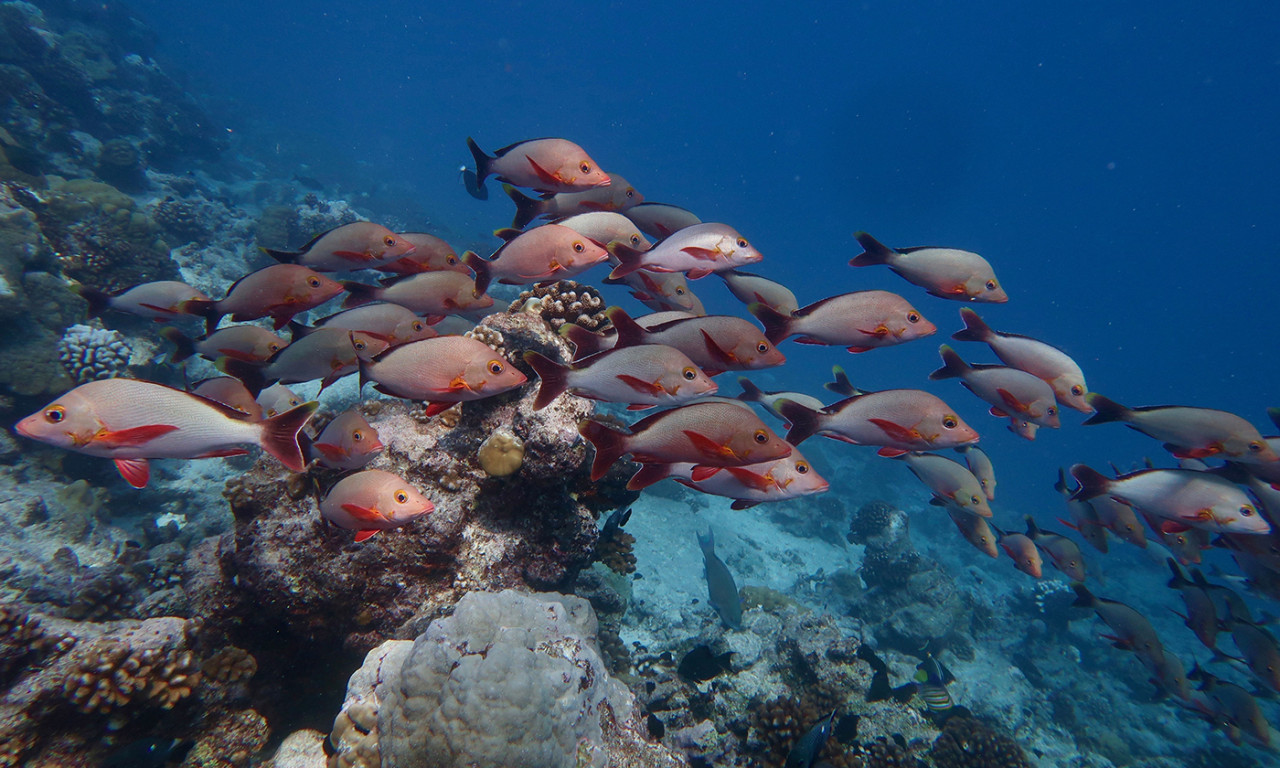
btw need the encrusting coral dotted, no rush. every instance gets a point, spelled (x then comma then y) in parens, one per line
(564, 301)
(969, 743)
(501, 453)
(111, 675)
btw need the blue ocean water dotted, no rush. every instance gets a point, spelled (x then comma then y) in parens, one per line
(1114, 162)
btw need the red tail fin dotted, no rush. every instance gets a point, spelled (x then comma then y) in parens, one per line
(484, 275)
(280, 435)
(554, 376)
(183, 345)
(1092, 482)
(630, 259)
(99, 301)
(609, 445)
(647, 475)
(776, 325)
(1106, 410)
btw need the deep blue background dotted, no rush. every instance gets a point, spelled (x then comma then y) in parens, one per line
(1116, 162)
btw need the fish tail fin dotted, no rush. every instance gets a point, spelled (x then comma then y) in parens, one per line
(610, 445)
(1179, 579)
(474, 180)
(1084, 598)
(527, 208)
(952, 366)
(630, 259)
(280, 435)
(584, 342)
(1105, 410)
(183, 345)
(1274, 415)
(206, 308)
(647, 475)
(249, 374)
(873, 251)
(358, 293)
(750, 392)
(707, 543)
(282, 256)
(1092, 482)
(776, 325)
(1033, 530)
(554, 378)
(805, 422)
(629, 331)
(1061, 485)
(484, 275)
(98, 301)
(975, 328)
(840, 383)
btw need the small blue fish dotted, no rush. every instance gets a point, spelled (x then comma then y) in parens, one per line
(722, 592)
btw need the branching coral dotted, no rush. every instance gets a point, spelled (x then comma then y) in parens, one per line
(112, 676)
(870, 520)
(968, 743)
(230, 665)
(23, 639)
(565, 301)
(489, 336)
(89, 353)
(614, 547)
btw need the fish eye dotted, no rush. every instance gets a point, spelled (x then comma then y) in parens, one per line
(1247, 510)
(761, 436)
(680, 291)
(273, 347)
(1052, 411)
(419, 326)
(359, 345)
(974, 500)
(950, 422)
(452, 260)
(314, 282)
(742, 243)
(635, 239)
(401, 497)
(585, 167)
(578, 247)
(1077, 390)
(913, 317)
(689, 373)
(762, 347)
(496, 367)
(388, 241)
(55, 414)
(802, 467)
(991, 285)
(357, 435)
(1256, 447)
(631, 193)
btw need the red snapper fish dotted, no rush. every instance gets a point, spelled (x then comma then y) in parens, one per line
(326, 354)
(751, 484)
(429, 254)
(1185, 498)
(712, 434)
(1012, 393)
(641, 376)
(601, 226)
(393, 323)
(660, 220)
(1035, 357)
(131, 421)
(754, 289)
(1189, 432)
(358, 245)
(618, 195)
(697, 251)
(231, 392)
(662, 291)
(897, 420)
(160, 300)
(861, 321)
(434, 294)
(715, 343)
(347, 442)
(373, 500)
(250, 343)
(975, 530)
(546, 165)
(947, 273)
(549, 252)
(276, 399)
(1064, 553)
(279, 292)
(1022, 550)
(950, 481)
(980, 465)
(442, 371)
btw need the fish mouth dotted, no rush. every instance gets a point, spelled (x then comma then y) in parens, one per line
(607, 181)
(24, 427)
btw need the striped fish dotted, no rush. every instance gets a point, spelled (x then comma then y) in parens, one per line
(932, 679)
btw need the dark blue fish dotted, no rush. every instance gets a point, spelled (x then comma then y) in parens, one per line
(810, 745)
(149, 753)
(722, 592)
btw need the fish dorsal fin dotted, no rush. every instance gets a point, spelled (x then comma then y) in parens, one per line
(507, 234)
(629, 331)
(316, 238)
(509, 147)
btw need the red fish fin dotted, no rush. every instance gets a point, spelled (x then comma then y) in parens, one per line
(854, 350)
(634, 407)
(1011, 400)
(647, 475)
(366, 514)
(352, 255)
(365, 534)
(703, 472)
(133, 436)
(331, 452)
(751, 479)
(698, 274)
(609, 444)
(998, 413)
(716, 350)
(544, 174)
(1072, 526)
(236, 354)
(743, 504)
(280, 435)
(279, 321)
(1173, 526)
(438, 407)
(553, 378)
(629, 260)
(222, 453)
(154, 308)
(716, 372)
(891, 453)
(1194, 453)
(640, 385)
(136, 472)
(896, 431)
(701, 253)
(706, 445)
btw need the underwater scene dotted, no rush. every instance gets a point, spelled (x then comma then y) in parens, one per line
(512, 384)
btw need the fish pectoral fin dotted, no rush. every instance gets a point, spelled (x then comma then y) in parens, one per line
(132, 436)
(640, 385)
(1193, 453)
(998, 412)
(543, 173)
(459, 384)
(751, 479)
(638, 407)
(698, 274)
(743, 504)
(703, 472)
(716, 350)
(353, 255)
(1011, 400)
(363, 514)
(157, 308)
(879, 332)
(330, 451)
(890, 453)
(701, 253)
(236, 354)
(859, 350)
(365, 534)
(136, 472)
(437, 407)
(707, 446)
(1173, 526)
(897, 431)
(222, 453)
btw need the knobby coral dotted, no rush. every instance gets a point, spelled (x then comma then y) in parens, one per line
(564, 301)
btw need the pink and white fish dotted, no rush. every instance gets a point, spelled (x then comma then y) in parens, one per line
(358, 245)
(1036, 357)
(618, 195)
(229, 391)
(160, 300)
(715, 343)
(250, 343)
(1184, 498)
(860, 321)
(442, 371)
(947, 273)
(549, 252)
(347, 442)
(897, 420)
(754, 289)
(662, 291)
(279, 292)
(697, 251)
(661, 220)
(131, 421)
(430, 254)
(642, 376)
(547, 165)
(373, 500)
(1012, 393)
(769, 481)
(392, 323)
(434, 294)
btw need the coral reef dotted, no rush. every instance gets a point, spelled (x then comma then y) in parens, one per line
(121, 164)
(88, 353)
(111, 675)
(564, 301)
(501, 453)
(968, 743)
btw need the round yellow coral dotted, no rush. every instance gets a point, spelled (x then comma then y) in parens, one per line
(502, 453)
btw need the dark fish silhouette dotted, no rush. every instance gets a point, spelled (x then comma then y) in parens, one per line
(721, 589)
